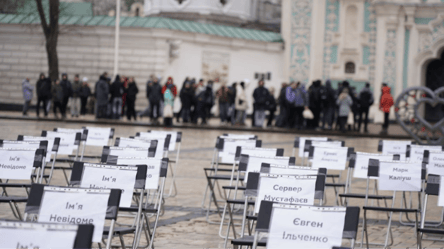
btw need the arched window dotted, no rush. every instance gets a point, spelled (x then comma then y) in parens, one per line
(350, 68)
(137, 12)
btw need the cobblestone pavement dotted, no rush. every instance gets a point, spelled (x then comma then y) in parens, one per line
(183, 224)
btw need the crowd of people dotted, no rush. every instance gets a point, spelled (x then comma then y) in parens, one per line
(318, 107)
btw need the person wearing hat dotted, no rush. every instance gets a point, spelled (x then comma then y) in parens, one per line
(75, 100)
(84, 93)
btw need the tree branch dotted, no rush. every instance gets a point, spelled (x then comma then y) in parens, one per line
(42, 17)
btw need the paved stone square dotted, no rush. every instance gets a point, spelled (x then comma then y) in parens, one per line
(183, 224)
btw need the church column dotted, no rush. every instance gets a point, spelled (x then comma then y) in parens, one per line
(317, 40)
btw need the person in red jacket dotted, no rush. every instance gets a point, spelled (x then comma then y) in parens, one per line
(385, 104)
(170, 85)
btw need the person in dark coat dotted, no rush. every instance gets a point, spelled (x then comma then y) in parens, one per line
(155, 97)
(223, 95)
(329, 106)
(365, 100)
(232, 109)
(271, 106)
(205, 101)
(116, 91)
(316, 93)
(281, 120)
(43, 91)
(84, 93)
(57, 97)
(186, 98)
(75, 98)
(67, 92)
(101, 93)
(260, 96)
(131, 91)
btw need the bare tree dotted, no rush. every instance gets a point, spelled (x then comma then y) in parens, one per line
(51, 32)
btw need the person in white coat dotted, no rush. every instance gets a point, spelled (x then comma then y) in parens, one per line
(240, 104)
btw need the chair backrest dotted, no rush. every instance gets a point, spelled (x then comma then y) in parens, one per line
(268, 152)
(289, 170)
(416, 152)
(299, 142)
(69, 141)
(154, 168)
(359, 162)
(394, 147)
(314, 227)
(291, 189)
(69, 205)
(434, 161)
(20, 234)
(227, 147)
(176, 137)
(330, 158)
(53, 144)
(98, 136)
(18, 164)
(100, 176)
(110, 154)
(329, 144)
(253, 163)
(162, 143)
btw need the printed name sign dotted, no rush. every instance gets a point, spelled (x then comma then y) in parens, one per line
(400, 176)
(111, 177)
(330, 158)
(49, 152)
(255, 162)
(172, 145)
(362, 160)
(153, 168)
(436, 163)
(35, 235)
(75, 206)
(128, 152)
(286, 189)
(417, 151)
(395, 147)
(291, 170)
(302, 144)
(27, 145)
(305, 227)
(98, 136)
(67, 141)
(16, 164)
(230, 145)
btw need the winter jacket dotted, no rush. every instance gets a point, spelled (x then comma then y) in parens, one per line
(241, 103)
(301, 98)
(102, 91)
(66, 86)
(76, 85)
(116, 89)
(154, 92)
(386, 100)
(290, 95)
(206, 96)
(316, 94)
(27, 90)
(366, 97)
(186, 97)
(330, 98)
(43, 88)
(260, 96)
(223, 94)
(84, 92)
(57, 93)
(344, 104)
(132, 91)
(172, 88)
(271, 103)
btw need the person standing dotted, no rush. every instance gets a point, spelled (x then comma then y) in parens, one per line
(290, 96)
(57, 98)
(155, 97)
(43, 91)
(231, 109)
(186, 98)
(329, 106)
(131, 91)
(205, 100)
(345, 103)
(260, 95)
(102, 92)
(27, 89)
(385, 104)
(300, 104)
(223, 95)
(366, 100)
(75, 100)
(316, 93)
(168, 108)
(67, 92)
(281, 120)
(241, 104)
(84, 93)
(271, 106)
(116, 91)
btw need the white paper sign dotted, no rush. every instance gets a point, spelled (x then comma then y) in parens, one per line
(172, 145)
(128, 152)
(436, 163)
(37, 236)
(67, 141)
(330, 158)
(76, 207)
(98, 136)
(298, 190)
(302, 143)
(153, 168)
(111, 177)
(255, 163)
(49, 153)
(230, 145)
(395, 147)
(306, 227)
(254, 151)
(362, 161)
(400, 176)
(417, 151)
(143, 143)
(27, 145)
(292, 170)
(16, 164)
(441, 192)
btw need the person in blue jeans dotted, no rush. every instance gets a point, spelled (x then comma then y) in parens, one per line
(223, 95)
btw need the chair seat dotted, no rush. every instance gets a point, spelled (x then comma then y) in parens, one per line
(248, 241)
(134, 208)
(240, 201)
(362, 196)
(119, 230)
(430, 230)
(387, 209)
(234, 187)
(13, 199)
